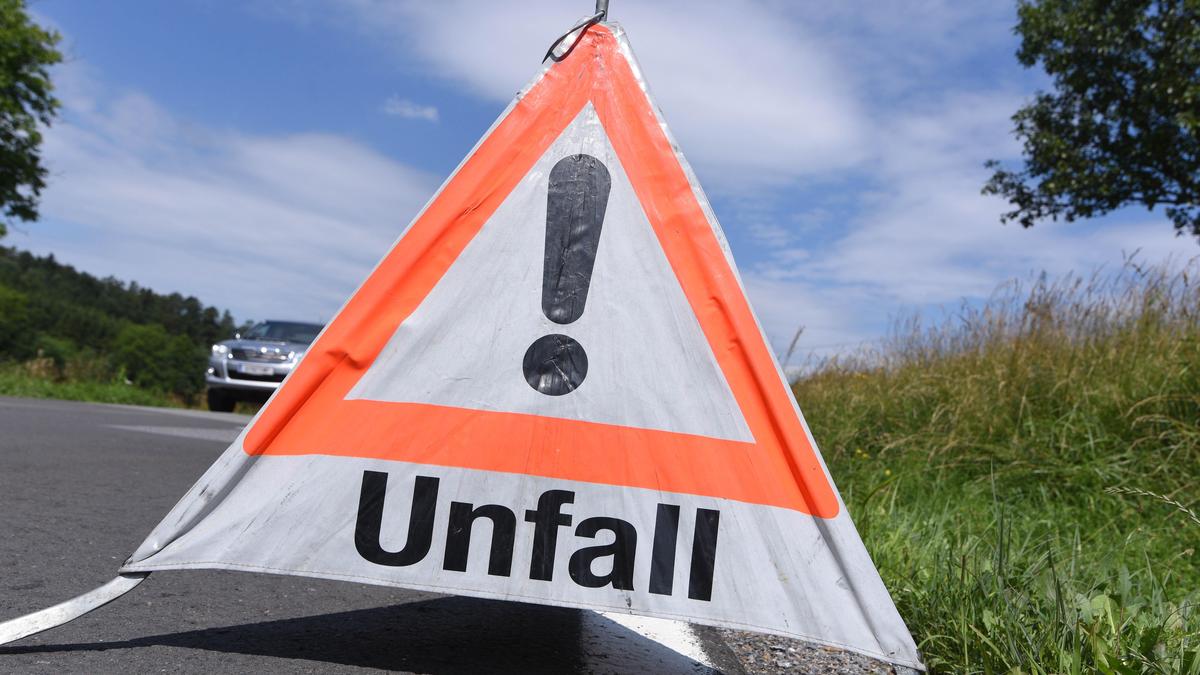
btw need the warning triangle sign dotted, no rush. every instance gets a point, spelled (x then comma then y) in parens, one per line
(552, 389)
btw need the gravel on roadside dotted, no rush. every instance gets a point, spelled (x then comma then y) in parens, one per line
(761, 654)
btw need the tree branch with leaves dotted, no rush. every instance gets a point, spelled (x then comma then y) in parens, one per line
(27, 104)
(1122, 123)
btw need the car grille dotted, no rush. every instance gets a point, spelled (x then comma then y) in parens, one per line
(278, 377)
(256, 355)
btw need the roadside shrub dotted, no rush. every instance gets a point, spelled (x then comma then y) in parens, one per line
(16, 380)
(58, 350)
(150, 357)
(15, 341)
(86, 365)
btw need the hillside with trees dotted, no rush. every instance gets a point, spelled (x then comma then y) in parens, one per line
(60, 323)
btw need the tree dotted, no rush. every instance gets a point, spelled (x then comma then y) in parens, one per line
(14, 323)
(154, 359)
(26, 101)
(1122, 124)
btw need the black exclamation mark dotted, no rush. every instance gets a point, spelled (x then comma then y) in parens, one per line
(578, 195)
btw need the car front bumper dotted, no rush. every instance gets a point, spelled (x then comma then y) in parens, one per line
(225, 373)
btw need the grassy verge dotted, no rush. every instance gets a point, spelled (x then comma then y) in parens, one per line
(17, 380)
(1027, 476)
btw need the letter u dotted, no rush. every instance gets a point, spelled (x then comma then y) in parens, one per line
(370, 517)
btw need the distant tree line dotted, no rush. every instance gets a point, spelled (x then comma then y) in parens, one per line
(104, 327)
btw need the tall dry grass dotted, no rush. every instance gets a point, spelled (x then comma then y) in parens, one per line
(1026, 472)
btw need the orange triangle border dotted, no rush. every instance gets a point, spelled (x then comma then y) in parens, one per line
(310, 414)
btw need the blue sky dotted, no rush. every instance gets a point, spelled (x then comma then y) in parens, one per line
(263, 155)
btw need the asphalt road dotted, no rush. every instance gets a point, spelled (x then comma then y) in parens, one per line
(82, 484)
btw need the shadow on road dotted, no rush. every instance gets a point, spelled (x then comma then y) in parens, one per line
(446, 635)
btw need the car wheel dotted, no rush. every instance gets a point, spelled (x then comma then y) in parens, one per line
(220, 401)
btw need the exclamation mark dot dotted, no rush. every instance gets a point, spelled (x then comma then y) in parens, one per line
(578, 195)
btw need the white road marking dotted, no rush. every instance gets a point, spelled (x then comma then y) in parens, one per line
(624, 643)
(227, 418)
(207, 434)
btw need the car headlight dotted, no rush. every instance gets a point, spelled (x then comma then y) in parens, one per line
(220, 349)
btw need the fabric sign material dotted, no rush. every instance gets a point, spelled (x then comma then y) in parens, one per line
(551, 389)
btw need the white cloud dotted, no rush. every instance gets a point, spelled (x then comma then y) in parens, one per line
(785, 306)
(751, 95)
(931, 237)
(926, 238)
(881, 114)
(281, 226)
(402, 107)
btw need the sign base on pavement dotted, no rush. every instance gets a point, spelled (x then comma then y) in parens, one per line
(66, 612)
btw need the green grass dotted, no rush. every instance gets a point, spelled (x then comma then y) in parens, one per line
(18, 380)
(1026, 475)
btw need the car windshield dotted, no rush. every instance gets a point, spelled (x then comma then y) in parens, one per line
(283, 331)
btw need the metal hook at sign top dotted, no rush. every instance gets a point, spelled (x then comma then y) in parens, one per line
(577, 30)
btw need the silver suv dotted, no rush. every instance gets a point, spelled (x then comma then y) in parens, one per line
(251, 365)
